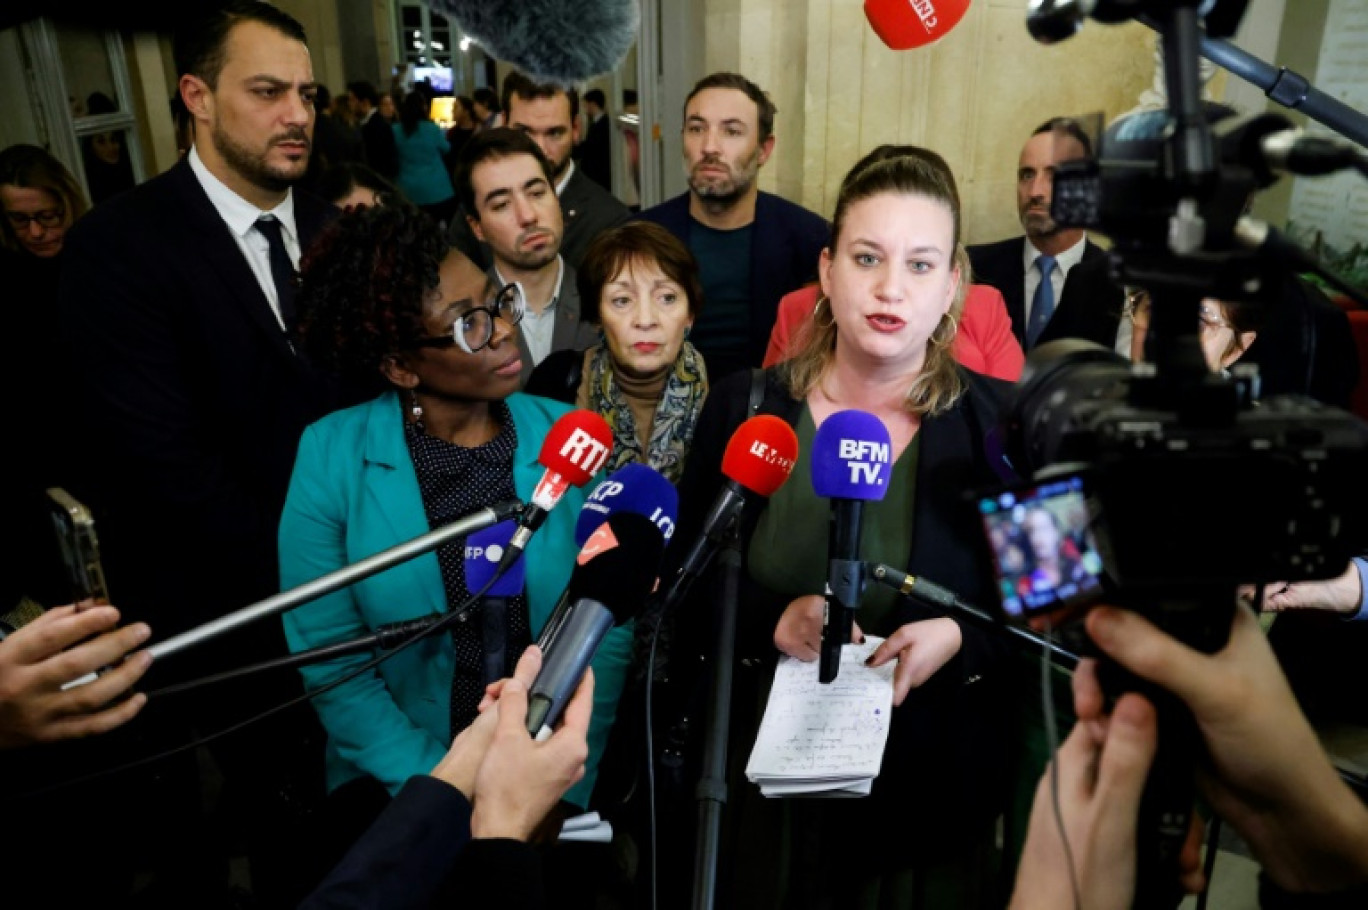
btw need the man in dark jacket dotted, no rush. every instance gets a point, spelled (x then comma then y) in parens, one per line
(752, 247)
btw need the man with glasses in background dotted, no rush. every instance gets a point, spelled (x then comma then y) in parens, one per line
(505, 186)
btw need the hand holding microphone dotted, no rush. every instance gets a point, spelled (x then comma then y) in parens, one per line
(851, 464)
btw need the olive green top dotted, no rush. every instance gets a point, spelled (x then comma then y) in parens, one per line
(788, 551)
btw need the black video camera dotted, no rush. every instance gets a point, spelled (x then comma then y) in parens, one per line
(1178, 482)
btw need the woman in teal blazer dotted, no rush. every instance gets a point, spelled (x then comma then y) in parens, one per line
(384, 298)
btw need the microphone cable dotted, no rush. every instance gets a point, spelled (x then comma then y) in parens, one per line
(460, 614)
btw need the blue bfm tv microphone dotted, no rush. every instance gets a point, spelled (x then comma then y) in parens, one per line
(851, 463)
(483, 551)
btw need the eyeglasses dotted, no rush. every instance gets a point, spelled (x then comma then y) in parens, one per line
(1137, 310)
(475, 328)
(48, 218)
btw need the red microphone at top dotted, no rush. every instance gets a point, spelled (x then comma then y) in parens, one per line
(905, 24)
(575, 449)
(758, 459)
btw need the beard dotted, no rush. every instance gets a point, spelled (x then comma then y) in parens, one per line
(730, 188)
(1038, 224)
(254, 167)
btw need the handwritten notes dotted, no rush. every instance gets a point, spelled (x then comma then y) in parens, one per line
(824, 739)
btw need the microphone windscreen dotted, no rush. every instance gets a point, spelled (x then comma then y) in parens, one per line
(634, 487)
(577, 446)
(760, 454)
(905, 24)
(560, 41)
(851, 457)
(618, 565)
(483, 550)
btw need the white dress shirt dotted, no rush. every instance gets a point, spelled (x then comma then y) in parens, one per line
(537, 325)
(241, 217)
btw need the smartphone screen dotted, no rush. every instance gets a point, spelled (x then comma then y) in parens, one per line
(75, 528)
(1044, 550)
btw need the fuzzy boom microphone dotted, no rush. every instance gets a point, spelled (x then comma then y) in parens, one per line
(559, 41)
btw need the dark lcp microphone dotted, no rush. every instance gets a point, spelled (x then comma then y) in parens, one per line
(614, 574)
(851, 463)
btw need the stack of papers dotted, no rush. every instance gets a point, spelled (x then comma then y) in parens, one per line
(587, 827)
(824, 739)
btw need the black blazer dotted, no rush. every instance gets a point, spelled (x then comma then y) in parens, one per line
(587, 210)
(945, 759)
(1000, 264)
(193, 401)
(785, 247)
(419, 854)
(595, 154)
(382, 152)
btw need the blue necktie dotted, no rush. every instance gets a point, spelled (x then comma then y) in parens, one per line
(1042, 304)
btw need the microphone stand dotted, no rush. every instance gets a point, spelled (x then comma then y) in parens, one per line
(341, 578)
(1292, 90)
(385, 638)
(711, 791)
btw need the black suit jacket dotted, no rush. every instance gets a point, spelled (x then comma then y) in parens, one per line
(1000, 264)
(785, 247)
(382, 152)
(419, 854)
(595, 154)
(193, 402)
(587, 210)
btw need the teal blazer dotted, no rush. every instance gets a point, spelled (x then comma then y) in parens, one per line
(354, 493)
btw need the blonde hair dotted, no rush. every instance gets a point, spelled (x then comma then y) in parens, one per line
(901, 170)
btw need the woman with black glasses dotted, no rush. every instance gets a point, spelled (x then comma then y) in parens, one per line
(384, 300)
(41, 200)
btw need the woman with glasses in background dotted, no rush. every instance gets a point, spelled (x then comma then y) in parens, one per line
(1226, 329)
(41, 201)
(387, 303)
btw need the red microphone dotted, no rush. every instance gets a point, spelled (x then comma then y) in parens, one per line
(905, 24)
(575, 449)
(758, 459)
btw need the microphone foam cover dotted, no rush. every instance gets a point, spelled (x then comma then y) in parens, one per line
(851, 457)
(561, 41)
(619, 564)
(577, 446)
(634, 487)
(760, 454)
(483, 550)
(905, 24)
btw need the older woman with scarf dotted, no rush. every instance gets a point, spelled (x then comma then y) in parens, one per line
(640, 285)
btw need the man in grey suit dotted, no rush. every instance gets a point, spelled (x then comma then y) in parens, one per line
(549, 115)
(504, 183)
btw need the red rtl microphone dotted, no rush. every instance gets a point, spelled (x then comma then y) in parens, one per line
(905, 24)
(758, 459)
(575, 449)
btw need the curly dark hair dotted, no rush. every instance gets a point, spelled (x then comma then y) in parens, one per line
(362, 288)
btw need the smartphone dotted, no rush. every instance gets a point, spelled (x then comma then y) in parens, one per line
(80, 548)
(1044, 549)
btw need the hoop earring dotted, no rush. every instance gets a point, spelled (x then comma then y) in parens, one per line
(950, 336)
(817, 314)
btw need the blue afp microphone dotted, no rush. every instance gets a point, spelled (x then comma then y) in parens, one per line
(634, 487)
(483, 552)
(851, 464)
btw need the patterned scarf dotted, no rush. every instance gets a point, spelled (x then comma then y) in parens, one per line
(675, 416)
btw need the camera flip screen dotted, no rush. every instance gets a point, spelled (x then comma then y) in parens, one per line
(1043, 548)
